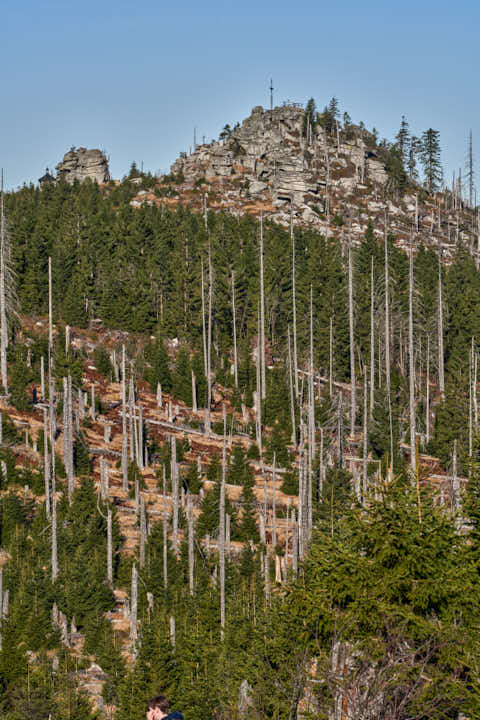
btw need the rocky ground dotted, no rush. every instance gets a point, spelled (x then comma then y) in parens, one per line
(335, 184)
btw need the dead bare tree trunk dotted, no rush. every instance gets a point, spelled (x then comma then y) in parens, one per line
(266, 570)
(274, 505)
(365, 433)
(1, 607)
(209, 344)
(194, 393)
(124, 425)
(441, 371)
(143, 531)
(427, 399)
(387, 343)
(455, 481)
(221, 530)
(165, 532)
(258, 394)
(54, 489)
(42, 377)
(204, 330)
(294, 545)
(3, 293)
(234, 319)
(46, 465)
(353, 389)
(131, 417)
(290, 382)
(411, 366)
(109, 547)
(68, 436)
(262, 316)
(50, 313)
(330, 360)
(294, 302)
(191, 555)
(134, 606)
(372, 340)
(474, 389)
(174, 482)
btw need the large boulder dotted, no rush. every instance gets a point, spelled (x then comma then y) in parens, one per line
(80, 164)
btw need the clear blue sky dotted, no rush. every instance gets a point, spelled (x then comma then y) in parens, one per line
(136, 77)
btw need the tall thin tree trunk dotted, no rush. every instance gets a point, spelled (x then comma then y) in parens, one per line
(294, 302)
(204, 331)
(143, 531)
(353, 389)
(290, 382)
(427, 399)
(372, 340)
(191, 555)
(234, 319)
(411, 367)
(134, 606)
(294, 545)
(194, 393)
(165, 532)
(42, 377)
(274, 504)
(258, 401)
(46, 459)
(3, 293)
(221, 532)
(330, 360)
(50, 313)
(365, 432)
(387, 343)
(262, 315)
(109, 547)
(174, 482)
(54, 488)
(455, 482)
(124, 426)
(441, 371)
(340, 430)
(474, 389)
(131, 417)
(387, 316)
(209, 344)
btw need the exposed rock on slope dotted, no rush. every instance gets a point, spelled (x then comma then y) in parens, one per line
(80, 164)
(276, 165)
(276, 162)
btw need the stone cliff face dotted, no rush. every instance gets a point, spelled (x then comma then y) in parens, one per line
(80, 164)
(334, 182)
(277, 163)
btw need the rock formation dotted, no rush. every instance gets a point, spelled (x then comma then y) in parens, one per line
(80, 164)
(277, 163)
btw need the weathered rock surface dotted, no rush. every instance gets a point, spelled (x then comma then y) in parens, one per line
(335, 183)
(80, 164)
(268, 158)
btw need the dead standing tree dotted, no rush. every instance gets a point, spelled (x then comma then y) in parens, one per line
(7, 289)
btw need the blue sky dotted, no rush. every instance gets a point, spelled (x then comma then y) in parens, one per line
(136, 77)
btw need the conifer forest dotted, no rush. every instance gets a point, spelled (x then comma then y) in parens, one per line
(239, 453)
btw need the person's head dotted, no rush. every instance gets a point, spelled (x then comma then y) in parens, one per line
(158, 708)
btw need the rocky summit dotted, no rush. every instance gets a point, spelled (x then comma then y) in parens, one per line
(80, 164)
(281, 161)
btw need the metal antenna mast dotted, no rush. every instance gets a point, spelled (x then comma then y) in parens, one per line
(271, 94)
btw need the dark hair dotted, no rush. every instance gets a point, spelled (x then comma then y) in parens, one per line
(160, 702)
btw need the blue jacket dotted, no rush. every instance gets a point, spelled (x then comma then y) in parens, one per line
(175, 715)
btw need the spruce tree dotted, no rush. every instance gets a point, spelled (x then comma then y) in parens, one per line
(430, 158)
